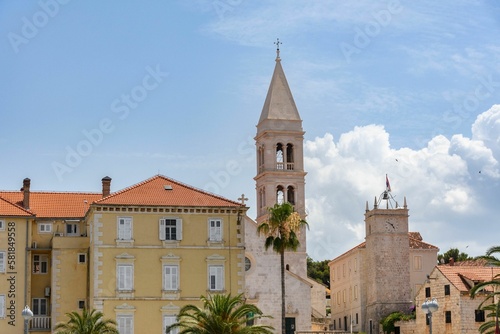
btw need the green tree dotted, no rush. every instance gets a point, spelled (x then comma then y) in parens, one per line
(455, 254)
(319, 271)
(282, 229)
(489, 306)
(89, 322)
(221, 314)
(389, 321)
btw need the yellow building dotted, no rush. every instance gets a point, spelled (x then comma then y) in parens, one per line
(138, 255)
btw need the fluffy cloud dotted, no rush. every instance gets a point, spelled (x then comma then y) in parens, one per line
(451, 186)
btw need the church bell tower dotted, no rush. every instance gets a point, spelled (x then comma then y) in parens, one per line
(280, 158)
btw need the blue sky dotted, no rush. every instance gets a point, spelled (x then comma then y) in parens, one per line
(131, 89)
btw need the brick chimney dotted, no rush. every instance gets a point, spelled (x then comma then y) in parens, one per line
(452, 261)
(106, 186)
(26, 192)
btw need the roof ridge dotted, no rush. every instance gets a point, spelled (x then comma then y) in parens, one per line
(51, 192)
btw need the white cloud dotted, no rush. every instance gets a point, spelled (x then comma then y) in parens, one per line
(440, 181)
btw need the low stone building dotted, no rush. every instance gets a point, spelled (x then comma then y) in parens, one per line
(450, 285)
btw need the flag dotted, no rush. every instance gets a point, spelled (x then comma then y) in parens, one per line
(387, 184)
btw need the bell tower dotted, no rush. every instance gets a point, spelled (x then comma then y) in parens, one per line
(387, 259)
(280, 158)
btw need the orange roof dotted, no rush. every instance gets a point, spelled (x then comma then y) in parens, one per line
(54, 204)
(163, 191)
(8, 208)
(458, 275)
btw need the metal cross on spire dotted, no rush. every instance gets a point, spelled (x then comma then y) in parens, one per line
(277, 48)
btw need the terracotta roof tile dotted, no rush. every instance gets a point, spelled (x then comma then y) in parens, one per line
(163, 191)
(458, 275)
(54, 204)
(8, 208)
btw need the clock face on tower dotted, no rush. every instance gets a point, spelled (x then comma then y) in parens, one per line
(391, 225)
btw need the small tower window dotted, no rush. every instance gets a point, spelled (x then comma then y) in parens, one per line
(290, 195)
(279, 156)
(280, 195)
(260, 159)
(289, 157)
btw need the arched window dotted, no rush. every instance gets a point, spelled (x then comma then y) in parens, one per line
(280, 195)
(289, 156)
(279, 156)
(290, 195)
(260, 159)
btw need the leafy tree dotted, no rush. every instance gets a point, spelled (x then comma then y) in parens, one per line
(89, 322)
(319, 271)
(492, 311)
(221, 314)
(455, 254)
(282, 229)
(389, 321)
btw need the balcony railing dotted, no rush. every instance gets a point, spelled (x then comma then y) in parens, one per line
(40, 322)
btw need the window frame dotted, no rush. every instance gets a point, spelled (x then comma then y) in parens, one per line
(216, 271)
(79, 258)
(42, 258)
(479, 316)
(3, 262)
(447, 317)
(2, 306)
(417, 263)
(75, 230)
(162, 226)
(122, 284)
(171, 284)
(121, 232)
(428, 292)
(166, 323)
(38, 308)
(125, 323)
(44, 227)
(215, 233)
(447, 291)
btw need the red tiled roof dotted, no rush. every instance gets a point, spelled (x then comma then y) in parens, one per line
(457, 275)
(8, 208)
(54, 204)
(163, 191)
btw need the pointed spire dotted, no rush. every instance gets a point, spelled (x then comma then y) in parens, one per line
(375, 205)
(367, 209)
(279, 104)
(404, 205)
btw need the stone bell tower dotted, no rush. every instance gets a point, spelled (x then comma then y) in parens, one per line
(280, 158)
(387, 260)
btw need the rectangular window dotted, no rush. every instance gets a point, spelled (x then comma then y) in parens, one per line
(2, 306)
(2, 225)
(124, 228)
(44, 227)
(39, 306)
(170, 229)
(338, 297)
(125, 323)
(417, 263)
(81, 304)
(355, 264)
(82, 258)
(216, 278)
(479, 315)
(170, 277)
(428, 292)
(40, 264)
(2, 262)
(333, 274)
(447, 290)
(125, 277)
(355, 292)
(215, 229)
(72, 229)
(357, 319)
(447, 316)
(169, 320)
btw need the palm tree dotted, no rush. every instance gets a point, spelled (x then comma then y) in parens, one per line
(221, 314)
(492, 326)
(89, 322)
(282, 229)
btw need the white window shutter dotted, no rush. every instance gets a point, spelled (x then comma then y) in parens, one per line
(179, 228)
(162, 229)
(2, 306)
(2, 262)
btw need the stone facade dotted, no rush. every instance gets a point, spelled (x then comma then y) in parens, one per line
(382, 274)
